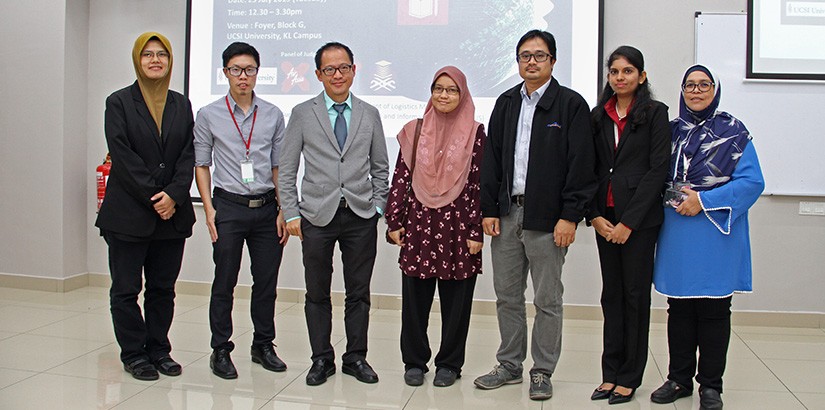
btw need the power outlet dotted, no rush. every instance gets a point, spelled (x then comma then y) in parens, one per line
(812, 208)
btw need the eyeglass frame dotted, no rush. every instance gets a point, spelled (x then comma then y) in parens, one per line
(162, 54)
(525, 57)
(695, 86)
(451, 91)
(244, 70)
(341, 68)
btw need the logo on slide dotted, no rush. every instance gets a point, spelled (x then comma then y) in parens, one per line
(383, 77)
(294, 76)
(422, 12)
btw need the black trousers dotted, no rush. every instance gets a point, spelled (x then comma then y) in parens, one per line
(143, 336)
(356, 239)
(456, 297)
(257, 227)
(627, 273)
(702, 323)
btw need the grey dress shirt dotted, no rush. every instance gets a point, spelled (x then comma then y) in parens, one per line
(218, 143)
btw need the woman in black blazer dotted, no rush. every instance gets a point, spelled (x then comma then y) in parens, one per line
(632, 140)
(147, 212)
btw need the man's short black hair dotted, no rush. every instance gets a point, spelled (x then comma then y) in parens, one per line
(545, 36)
(240, 49)
(329, 46)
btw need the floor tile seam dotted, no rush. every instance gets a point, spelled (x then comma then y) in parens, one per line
(289, 309)
(13, 334)
(658, 367)
(130, 381)
(36, 373)
(105, 345)
(211, 389)
(80, 339)
(38, 306)
(179, 313)
(782, 382)
(58, 308)
(295, 380)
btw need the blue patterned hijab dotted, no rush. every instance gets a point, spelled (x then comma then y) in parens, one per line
(706, 144)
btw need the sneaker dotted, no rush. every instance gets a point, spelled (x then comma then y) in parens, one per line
(540, 386)
(498, 377)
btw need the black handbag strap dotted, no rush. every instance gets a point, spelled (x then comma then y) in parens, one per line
(415, 144)
(412, 165)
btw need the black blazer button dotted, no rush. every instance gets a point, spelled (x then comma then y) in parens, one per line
(162, 165)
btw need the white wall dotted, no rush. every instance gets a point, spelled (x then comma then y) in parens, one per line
(787, 248)
(32, 155)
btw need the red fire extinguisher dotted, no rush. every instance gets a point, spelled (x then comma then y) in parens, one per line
(102, 174)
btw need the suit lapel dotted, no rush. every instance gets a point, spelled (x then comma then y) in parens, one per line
(322, 115)
(623, 139)
(169, 112)
(608, 139)
(355, 122)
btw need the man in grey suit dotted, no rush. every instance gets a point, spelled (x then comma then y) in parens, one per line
(343, 193)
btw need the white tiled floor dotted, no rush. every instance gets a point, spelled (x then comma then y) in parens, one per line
(57, 351)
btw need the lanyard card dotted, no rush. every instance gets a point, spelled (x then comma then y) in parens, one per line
(247, 171)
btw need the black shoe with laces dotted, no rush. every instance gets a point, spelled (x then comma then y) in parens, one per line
(221, 364)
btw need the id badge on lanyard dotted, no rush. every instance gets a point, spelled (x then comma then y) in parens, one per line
(247, 171)
(247, 166)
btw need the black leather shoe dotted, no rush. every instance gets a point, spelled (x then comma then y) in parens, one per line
(445, 377)
(319, 372)
(221, 364)
(601, 394)
(168, 366)
(414, 377)
(618, 398)
(709, 399)
(266, 356)
(361, 370)
(669, 392)
(141, 369)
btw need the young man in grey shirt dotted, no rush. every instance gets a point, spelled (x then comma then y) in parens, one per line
(239, 135)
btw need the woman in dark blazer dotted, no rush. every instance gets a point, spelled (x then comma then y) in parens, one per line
(632, 142)
(147, 212)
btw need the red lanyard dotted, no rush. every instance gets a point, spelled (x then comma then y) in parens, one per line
(247, 142)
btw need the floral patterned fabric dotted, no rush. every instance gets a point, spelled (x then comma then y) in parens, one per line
(435, 239)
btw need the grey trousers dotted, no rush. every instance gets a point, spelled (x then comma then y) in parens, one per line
(515, 252)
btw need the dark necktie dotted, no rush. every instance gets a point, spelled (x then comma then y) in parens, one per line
(340, 125)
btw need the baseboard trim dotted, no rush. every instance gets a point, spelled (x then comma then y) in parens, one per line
(42, 283)
(393, 302)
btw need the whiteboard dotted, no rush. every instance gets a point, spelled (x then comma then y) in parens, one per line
(786, 118)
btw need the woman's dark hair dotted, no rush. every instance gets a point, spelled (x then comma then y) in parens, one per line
(642, 97)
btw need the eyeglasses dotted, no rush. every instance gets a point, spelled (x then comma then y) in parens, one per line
(451, 91)
(703, 86)
(161, 55)
(235, 71)
(540, 57)
(344, 69)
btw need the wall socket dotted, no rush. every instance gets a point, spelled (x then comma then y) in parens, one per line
(812, 208)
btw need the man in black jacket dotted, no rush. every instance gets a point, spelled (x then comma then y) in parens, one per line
(536, 182)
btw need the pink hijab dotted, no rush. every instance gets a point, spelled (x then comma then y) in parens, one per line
(445, 147)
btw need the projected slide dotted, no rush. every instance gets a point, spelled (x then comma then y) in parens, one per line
(398, 45)
(785, 39)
